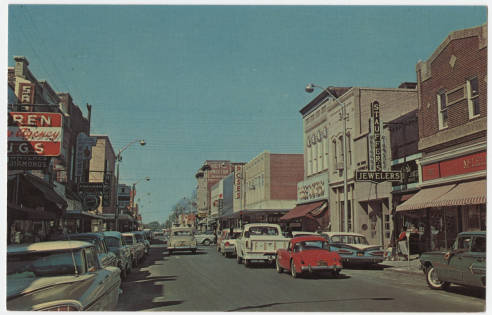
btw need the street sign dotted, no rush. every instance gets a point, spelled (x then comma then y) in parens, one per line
(28, 162)
(376, 174)
(91, 187)
(34, 134)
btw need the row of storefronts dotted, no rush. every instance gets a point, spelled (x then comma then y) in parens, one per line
(61, 179)
(411, 158)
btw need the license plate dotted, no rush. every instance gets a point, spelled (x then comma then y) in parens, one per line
(360, 254)
(322, 263)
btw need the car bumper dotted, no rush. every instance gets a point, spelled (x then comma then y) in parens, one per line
(362, 260)
(228, 249)
(260, 256)
(320, 268)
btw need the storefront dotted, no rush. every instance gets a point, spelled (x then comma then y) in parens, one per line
(439, 213)
(34, 209)
(312, 210)
(78, 221)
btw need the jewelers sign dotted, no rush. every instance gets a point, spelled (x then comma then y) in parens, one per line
(376, 156)
(34, 134)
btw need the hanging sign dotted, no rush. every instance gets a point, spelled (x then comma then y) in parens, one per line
(376, 175)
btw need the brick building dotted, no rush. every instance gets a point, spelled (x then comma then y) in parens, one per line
(452, 86)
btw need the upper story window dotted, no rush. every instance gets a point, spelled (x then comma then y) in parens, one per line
(442, 110)
(472, 97)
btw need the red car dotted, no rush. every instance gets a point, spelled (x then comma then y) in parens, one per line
(308, 254)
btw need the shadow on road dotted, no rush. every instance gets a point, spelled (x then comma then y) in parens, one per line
(365, 267)
(308, 302)
(187, 253)
(468, 291)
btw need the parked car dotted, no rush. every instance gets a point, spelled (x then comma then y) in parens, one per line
(159, 237)
(181, 239)
(106, 257)
(137, 249)
(308, 254)
(60, 276)
(228, 243)
(354, 248)
(464, 264)
(259, 242)
(205, 238)
(116, 244)
(141, 238)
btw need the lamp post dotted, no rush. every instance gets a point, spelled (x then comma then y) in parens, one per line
(133, 190)
(310, 88)
(118, 159)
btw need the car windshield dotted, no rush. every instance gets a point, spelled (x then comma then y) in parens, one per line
(84, 239)
(349, 239)
(112, 241)
(263, 230)
(44, 264)
(128, 239)
(182, 233)
(306, 245)
(139, 237)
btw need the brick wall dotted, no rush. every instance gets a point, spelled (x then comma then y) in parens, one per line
(456, 60)
(286, 170)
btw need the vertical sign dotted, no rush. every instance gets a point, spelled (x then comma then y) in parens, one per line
(26, 93)
(84, 151)
(238, 170)
(376, 128)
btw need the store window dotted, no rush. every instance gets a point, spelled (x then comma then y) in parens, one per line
(474, 218)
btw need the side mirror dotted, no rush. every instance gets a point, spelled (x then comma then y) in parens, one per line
(246, 234)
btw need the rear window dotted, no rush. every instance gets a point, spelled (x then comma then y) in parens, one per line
(263, 230)
(182, 233)
(44, 264)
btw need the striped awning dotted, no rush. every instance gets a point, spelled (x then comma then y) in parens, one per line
(302, 210)
(469, 193)
(425, 198)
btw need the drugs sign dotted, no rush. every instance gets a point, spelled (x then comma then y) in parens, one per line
(34, 134)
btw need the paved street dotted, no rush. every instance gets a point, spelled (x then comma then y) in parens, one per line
(207, 281)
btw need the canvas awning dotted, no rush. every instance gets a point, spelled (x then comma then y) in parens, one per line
(425, 198)
(469, 193)
(302, 210)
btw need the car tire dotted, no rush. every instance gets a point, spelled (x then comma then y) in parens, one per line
(247, 263)
(170, 251)
(239, 260)
(206, 242)
(277, 266)
(293, 271)
(432, 281)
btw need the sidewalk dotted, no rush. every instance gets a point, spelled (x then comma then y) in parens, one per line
(404, 266)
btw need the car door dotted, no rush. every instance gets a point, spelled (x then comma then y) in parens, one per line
(473, 262)
(456, 266)
(283, 256)
(97, 297)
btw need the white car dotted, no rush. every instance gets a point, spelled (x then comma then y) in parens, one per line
(204, 238)
(228, 243)
(260, 242)
(181, 239)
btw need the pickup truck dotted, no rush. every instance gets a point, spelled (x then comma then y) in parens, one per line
(464, 264)
(259, 242)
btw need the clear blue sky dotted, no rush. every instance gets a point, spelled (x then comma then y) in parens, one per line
(216, 82)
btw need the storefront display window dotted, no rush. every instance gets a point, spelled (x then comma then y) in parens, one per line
(474, 218)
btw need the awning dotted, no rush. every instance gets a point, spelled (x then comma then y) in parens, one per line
(25, 213)
(302, 210)
(45, 189)
(425, 198)
(406, 197)
(469, 193)
(79, 213)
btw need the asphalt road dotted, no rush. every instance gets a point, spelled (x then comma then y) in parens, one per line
(207, 281)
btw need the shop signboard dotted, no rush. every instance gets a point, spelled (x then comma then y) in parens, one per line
(84, 151)
(28, 162)
(91, 187)
(377, 154)
(91, 201)
(34, 134)
(313, 189)
(457, 166)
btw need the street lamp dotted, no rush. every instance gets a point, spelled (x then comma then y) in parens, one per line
(133, 190)
(310, 88)
(118, 159)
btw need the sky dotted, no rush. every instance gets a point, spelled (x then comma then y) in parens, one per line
(208, 82)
